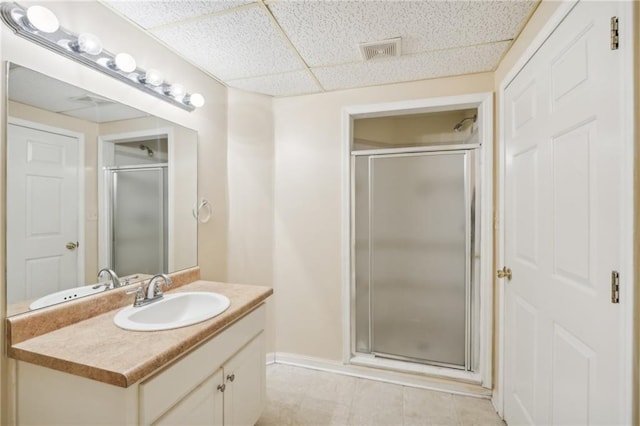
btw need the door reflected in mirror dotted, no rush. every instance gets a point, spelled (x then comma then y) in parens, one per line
(91, 184)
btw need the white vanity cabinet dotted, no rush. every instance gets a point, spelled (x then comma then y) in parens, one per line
(233, 395)
(221, 382)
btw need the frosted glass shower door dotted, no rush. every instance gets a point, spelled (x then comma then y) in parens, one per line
(419, 263)
(138, 221)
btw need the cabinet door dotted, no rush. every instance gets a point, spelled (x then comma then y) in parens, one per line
(245, 392)
(203, 406)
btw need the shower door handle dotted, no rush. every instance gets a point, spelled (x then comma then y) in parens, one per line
(72, 246)
(504, 273)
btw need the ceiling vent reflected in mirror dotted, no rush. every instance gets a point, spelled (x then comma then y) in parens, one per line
(91, 100)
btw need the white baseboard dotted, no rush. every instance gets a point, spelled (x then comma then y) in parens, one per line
(413, 380)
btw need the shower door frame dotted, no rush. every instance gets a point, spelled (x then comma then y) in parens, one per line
(469, 156)
(484, 103)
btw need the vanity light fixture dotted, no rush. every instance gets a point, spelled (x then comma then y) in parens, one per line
(195, 99)
(176, 90)
(152, 77)
(41, 19)
(87, 43)
(40, 25)
(123, 62)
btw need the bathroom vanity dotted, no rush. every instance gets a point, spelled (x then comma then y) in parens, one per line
(92, 372)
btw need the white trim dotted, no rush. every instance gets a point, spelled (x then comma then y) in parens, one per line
(347, 306)
(81, 184)
(105, 159)
(484, 103)
(394, 377)
(628, 44)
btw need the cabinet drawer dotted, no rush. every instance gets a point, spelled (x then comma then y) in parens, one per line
(164, 389)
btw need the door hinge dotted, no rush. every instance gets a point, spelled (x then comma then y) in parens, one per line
(615, 287)
(615, 43)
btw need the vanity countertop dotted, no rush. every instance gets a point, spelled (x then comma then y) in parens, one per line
(97, 349)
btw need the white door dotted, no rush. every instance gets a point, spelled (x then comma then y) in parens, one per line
(562, 227)
(42, 213)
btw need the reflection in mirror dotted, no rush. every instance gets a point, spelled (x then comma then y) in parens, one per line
(91, 184)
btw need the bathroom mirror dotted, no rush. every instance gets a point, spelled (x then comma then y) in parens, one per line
(91, 184)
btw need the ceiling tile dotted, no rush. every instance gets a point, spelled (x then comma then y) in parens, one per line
(236, 45)
(413, 67)
(293, 83)
(150, 14)
(328, 32)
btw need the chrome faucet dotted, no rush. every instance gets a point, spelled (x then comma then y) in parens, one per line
(115, 281)
(154, 290)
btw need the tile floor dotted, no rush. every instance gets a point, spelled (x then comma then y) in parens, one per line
(300, 396)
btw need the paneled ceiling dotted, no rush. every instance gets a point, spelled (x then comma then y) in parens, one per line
(293, 47)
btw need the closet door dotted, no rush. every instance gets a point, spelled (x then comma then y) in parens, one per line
(563, 220)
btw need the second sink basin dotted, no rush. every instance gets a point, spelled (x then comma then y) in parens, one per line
(172, 311)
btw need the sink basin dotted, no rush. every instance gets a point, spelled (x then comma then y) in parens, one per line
(172, 311)
(64, 295)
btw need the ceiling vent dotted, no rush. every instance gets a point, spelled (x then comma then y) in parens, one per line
(91, 100)
(381, 49)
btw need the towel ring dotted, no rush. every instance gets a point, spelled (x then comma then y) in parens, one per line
(202, 211)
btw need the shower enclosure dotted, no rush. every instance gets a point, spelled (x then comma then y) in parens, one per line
(416, 254)
(137, 206)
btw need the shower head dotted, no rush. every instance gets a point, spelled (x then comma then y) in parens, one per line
(149, 150)
(460, 124)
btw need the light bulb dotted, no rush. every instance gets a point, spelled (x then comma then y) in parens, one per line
(42, 19)
(124, 62)
(176, 90)
(87, 43)
(152, 77)
(195, 99)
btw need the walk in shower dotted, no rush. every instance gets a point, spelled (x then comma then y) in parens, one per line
(415, 239)
(138, 218)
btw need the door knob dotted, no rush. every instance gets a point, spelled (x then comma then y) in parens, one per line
(504, 273)
(72, 246)
(231, 377)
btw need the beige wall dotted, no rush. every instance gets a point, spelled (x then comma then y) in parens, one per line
(250, 156)
(308, 207)
(210, 121)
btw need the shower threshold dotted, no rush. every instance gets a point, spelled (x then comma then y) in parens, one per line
(382, 355)
(418, 369)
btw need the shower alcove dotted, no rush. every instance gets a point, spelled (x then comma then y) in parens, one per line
(418, 237)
